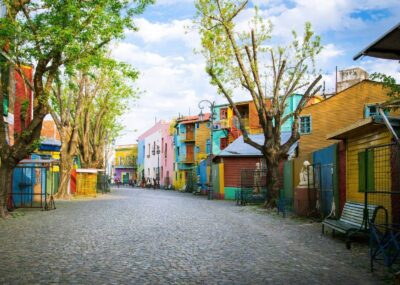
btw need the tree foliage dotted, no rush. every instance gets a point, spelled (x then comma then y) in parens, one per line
(50, 35)
(269, 73)
(392, 87)
(111, 91)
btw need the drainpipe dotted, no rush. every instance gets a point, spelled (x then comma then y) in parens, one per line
(388, 125)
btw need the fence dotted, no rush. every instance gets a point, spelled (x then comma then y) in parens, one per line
(320, 189)
(379, 173)
(33, 185)
(253, 186)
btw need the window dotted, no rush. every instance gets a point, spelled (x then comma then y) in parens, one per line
(162, 145)
(223, 143)
(305, 125)
(177, 151)
(208, 125)
(162, 172)
(223, 113)
(197, 149)
(197, 125)
(165, 153)
(148, 153)
(366, 175)
(372, 110)
(208, 146)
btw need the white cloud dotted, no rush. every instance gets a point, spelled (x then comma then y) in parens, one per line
(176, 30)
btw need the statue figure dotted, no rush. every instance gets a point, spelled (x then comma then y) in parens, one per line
(257, 179)
(306, 174)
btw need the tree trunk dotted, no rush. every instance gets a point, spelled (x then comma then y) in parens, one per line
(272, 183)
(5, 188)
(66, 162)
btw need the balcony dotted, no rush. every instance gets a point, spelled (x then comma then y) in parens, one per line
(186, 159)
(187, 137)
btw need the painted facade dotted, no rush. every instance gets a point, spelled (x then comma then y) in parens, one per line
(192, 145)
(233, 159)
(372, 162)
(226, 126)
(155, 154)
(125, 163)
(338, 111)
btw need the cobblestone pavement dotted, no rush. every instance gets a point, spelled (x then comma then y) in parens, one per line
(136, 236)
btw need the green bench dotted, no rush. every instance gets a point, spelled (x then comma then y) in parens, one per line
(351, 221)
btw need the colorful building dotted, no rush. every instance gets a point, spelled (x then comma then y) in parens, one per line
(337, 112)
(238, 156)
(156, 154)
(226, 125)
(372, 163)
(192, 145)
(125, 163)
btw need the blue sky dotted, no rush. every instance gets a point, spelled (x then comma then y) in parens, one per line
(173, 77)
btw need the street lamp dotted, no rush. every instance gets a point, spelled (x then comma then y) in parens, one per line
(201, 118)
(158, 164)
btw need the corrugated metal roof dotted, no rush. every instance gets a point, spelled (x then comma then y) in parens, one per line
(240, 148)
(387, 46)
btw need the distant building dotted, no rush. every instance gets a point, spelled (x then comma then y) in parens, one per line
(192, 144)
(125, 163)
(155, 154)
(349, 77)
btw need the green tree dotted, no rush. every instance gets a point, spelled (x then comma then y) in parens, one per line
(392, 88)
(99, 123)
(266, 72)
(51, 34)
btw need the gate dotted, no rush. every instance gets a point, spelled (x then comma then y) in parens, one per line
(320, 189)
(253, 186)
(32, 185)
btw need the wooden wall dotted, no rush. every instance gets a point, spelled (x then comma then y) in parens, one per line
(233, 166)
(202, 134)
(356, 145)
(338, 112)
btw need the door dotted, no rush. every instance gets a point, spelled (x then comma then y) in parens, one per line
(190, 153)
(189, 132)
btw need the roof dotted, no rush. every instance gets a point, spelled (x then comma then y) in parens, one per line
(240, 148)
(193, 119)
(50, 144)
(363, 126)
(387, 46)
(50, 141)
(37, 162)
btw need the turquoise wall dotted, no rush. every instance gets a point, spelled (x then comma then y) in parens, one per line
(230, 192)
(291, 106)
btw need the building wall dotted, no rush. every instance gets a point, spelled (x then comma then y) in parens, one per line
(338, 112)
(167, 153)
(49, 130)
(356, 145)
(202, 134)
(232, 173)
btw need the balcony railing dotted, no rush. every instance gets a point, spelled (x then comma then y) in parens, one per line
(186, 137)
(186, 159)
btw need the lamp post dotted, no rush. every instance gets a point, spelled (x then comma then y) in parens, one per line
(154, 151)
(201, 117)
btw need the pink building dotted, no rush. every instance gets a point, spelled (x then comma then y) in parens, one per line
(156, 155)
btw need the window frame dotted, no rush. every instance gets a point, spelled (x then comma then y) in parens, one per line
(310, 125)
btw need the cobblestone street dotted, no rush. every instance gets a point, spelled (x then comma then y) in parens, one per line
(136, 236)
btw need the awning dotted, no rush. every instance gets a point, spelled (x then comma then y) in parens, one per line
(363, 126)
(387, 46)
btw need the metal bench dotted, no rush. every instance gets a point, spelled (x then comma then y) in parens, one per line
(352, 220)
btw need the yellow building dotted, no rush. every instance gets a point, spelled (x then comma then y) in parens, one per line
(125, 163)
(192, 145)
